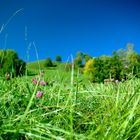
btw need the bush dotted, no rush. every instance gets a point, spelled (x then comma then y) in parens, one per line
(58, 58)
(48, 62)
(98, 69)
(89, 69)
(10, 63)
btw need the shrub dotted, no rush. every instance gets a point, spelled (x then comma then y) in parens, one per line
(89, 69)
(10, 63)
(58, 58)
(48, 62)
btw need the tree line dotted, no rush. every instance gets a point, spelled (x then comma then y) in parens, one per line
(122, 65)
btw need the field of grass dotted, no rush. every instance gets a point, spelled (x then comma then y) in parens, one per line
(34, 67)
(71, 108)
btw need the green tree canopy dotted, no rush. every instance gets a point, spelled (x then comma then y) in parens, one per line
(78, 61)
(87, 57)
(120, 65)
(10, 63)
(58, 58)
(48, 62)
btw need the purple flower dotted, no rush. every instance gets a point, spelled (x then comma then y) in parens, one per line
(39, 94)
(34, 80)
(42, 83)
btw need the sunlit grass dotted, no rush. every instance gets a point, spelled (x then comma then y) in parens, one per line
(81, 110)
(71, 106)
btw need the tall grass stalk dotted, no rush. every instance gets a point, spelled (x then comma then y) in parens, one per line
(9, 20)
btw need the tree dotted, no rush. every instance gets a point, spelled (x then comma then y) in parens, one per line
(78, 61)
(10, 63)
(48, 62)
(129, 59)
(58, 58)
(121, 65)
(87, 57)
(101, 68)
(20, 67)
(89, 69)
(94, 70)
(116, 66)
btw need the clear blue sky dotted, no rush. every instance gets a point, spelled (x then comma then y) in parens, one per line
(63, 27)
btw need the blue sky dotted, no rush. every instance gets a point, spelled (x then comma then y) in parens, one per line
(63, 27)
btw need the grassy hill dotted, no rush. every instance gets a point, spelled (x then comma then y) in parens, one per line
(59, 71)
(35, 67)
(71, 107)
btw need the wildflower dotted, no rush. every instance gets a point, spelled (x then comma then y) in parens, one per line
(42, 83)
(8, 76)
(39, 94)
(34, 80)
(112, 79)
(117, 81)
(126, 66)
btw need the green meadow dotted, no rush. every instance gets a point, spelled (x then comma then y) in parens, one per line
(71, 108)
(82, 98)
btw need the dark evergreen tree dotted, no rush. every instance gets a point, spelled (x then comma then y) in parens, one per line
(48, 62)
(58, 58)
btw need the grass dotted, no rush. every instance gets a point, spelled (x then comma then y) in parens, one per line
(71, 108)
(35, 67)
(79, 111)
